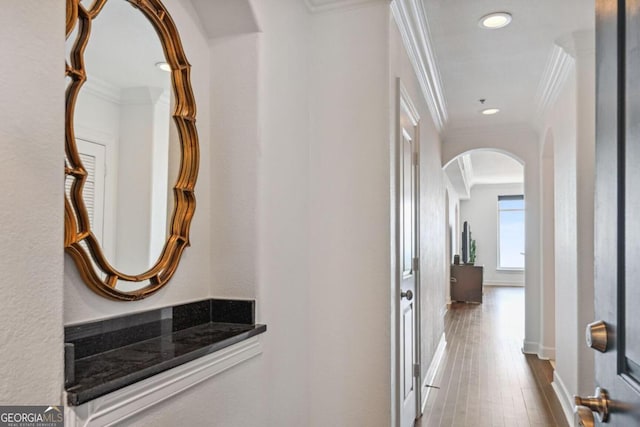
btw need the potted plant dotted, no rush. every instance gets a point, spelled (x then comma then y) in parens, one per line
(472, 251)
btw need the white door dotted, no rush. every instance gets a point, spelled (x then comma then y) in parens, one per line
(407, 256)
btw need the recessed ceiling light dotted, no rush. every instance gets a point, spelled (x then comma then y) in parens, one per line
(163, 66)
(495, 20)
(490, 111)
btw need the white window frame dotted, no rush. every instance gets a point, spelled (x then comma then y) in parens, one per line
(498, 210)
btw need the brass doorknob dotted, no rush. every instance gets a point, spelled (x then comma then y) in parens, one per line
(596, 335)
(408, 295)
(585, 417)
(598, 403)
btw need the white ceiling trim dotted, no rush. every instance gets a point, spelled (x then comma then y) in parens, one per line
(456, 176)
(412, 22)
(317, 6)
(555, 74)
(466, 170)
(102, 89)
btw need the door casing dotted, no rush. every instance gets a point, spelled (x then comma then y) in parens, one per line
(405, 106)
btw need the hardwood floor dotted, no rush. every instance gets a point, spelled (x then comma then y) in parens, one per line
(484, 379)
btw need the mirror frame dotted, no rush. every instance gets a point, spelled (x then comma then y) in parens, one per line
(76, 218)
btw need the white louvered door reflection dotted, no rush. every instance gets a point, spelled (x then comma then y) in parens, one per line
(93, 156)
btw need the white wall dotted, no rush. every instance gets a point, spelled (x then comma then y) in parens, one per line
(323, 207)
(453, 228)
(584, 50)
(349, 218)
(548, 255)
(564, 135)
(481, 213)
(283, 207)
(135, 162)
(453, 221)
(234, 152)
(31, 153)
(343, 299)
(161, 181)
(570, 125)
(434, 264)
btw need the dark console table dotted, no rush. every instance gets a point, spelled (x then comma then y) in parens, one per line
(466, 283)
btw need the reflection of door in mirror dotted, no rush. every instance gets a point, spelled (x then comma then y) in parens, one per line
(128, 98)
(93, 155)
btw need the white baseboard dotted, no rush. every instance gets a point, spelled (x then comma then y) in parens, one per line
(546, 353)
(444, 309)
(119, 405)
(566, 400)
(530, 347)
(432, 371)
(510, 284)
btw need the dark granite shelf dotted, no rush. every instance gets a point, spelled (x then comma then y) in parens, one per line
(107, 355)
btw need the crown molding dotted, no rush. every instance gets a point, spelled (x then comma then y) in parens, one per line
(579, 43)
(467, 171)
(139, 95)
(457, 177)
(319, 6)
(553, 78)
(102, 89)
(411, 19)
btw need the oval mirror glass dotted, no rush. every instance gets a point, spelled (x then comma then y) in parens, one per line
(131, 150)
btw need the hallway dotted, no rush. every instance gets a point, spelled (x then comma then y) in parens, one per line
(484, 379)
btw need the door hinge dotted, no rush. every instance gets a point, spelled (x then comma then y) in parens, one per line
(415, 265)
(415, 159)
(416, 370)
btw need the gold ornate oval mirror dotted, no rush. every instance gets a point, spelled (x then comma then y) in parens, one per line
(131, 146)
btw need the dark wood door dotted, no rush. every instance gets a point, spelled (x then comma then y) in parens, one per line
(617, 245)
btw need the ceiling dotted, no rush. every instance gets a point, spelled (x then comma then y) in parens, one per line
(324, 5)
(490, 167)
(480, 167)
(503, 66)
(123, 49)
(222, 18)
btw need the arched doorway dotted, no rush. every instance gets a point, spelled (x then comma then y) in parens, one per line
(507, 181)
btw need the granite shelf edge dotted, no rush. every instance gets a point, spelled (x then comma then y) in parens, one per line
(82, 395)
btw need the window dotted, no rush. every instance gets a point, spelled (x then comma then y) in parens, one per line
(511, 232)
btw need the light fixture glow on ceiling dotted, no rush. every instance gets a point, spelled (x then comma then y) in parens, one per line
(495, 20)
(490, 111)
(163, 66)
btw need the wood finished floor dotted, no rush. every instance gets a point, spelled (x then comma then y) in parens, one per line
(484, 378)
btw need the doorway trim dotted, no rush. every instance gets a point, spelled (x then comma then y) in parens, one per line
(527, 152)
(403, 104)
